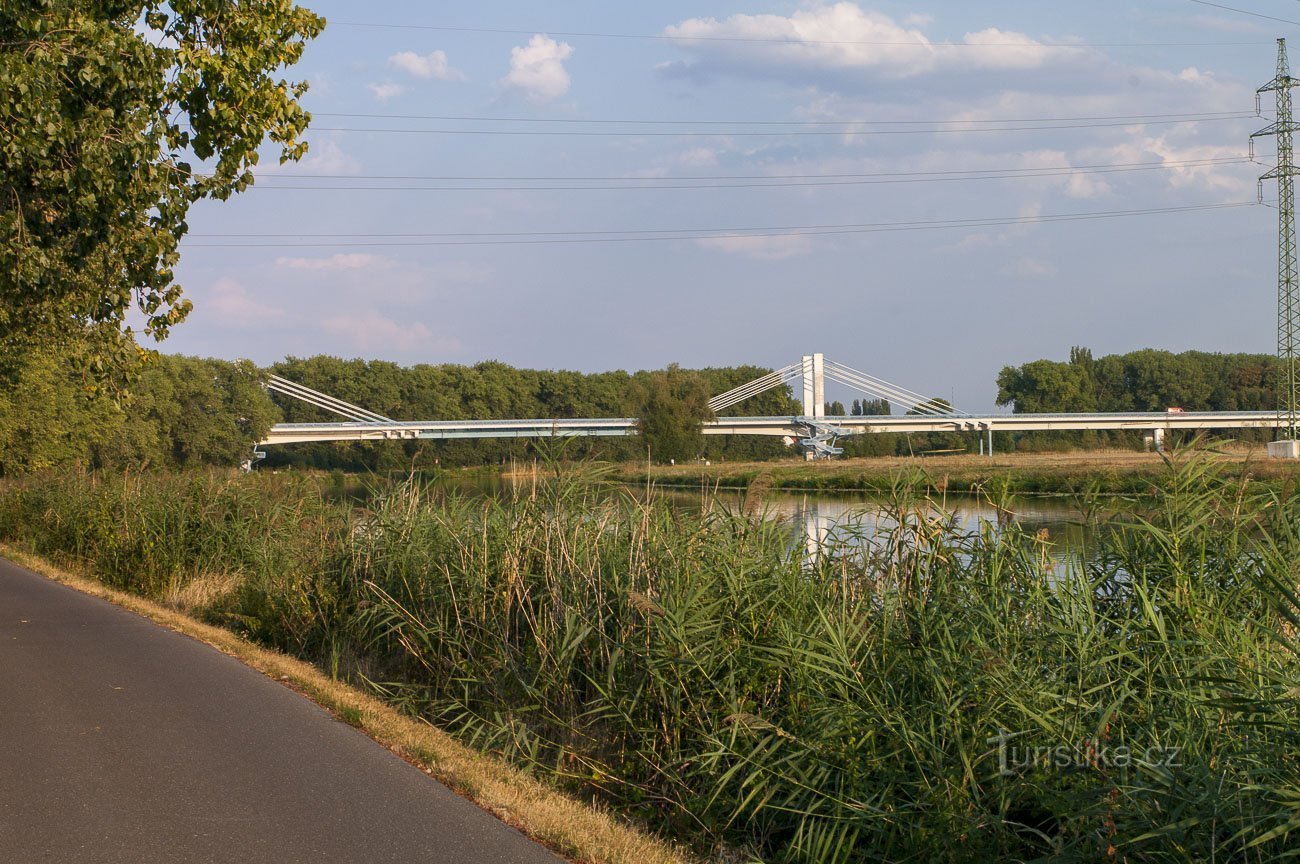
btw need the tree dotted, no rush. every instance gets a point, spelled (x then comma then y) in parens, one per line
(115, 117)
(935, 405)
(670, 406)
(875, 407)
(1044, 386)
(834, 409)
(188, 411)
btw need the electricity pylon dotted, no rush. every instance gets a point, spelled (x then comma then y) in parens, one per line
(1288, 295)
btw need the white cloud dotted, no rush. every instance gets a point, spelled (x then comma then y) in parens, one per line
(426, 66)
(375, 333)
(538, 70)
(233, 304)
(387, 90)
(341, 261)
(699, 157)
(844, 36)
(1080, 184)
(323, 157)
(762, 248)
(1029, 268)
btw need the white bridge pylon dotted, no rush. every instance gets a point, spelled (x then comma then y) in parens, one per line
(812, 371)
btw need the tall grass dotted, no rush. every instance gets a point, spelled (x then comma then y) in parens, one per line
(923, 693)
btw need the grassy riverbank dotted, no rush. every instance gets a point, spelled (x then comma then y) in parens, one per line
(930, 695)
(1121, 472)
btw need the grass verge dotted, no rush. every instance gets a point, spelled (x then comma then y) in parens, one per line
(1109, 472)
(570, 827)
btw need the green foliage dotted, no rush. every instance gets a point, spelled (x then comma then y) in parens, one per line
(494, 390)
(925, 693)
(111, 132)
(1146, 380)
(182, 412)
(670, 406)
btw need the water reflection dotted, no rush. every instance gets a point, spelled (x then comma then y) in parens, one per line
(821, 519)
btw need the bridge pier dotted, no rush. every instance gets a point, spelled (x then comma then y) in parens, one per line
(814, 385)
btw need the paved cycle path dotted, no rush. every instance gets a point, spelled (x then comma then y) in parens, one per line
(122, 741)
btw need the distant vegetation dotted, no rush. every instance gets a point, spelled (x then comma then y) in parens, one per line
(930, 695)
(1146, 380)
(185, 411)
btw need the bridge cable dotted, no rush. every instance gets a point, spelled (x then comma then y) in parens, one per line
(323, 400)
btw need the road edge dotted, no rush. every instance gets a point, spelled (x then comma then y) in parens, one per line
(578, 831)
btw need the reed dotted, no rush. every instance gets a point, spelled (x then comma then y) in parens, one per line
(923, 693)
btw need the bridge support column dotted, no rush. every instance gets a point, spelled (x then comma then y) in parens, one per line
(814, 385)
(1158, 439)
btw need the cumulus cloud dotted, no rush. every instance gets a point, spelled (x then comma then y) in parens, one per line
(323, 157)
(537, 69)
(387, 90)
(1029, 268)
(374, 333)
(341, 261)
(426, 66)
(845, 37)
(762, 248)
(232, 303)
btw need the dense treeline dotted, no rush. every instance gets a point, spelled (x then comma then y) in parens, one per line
(182, 412)
(493, 390)
(187, 411)
(1146, 380)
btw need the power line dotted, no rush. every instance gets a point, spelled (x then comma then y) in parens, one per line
(1246, 12)
(1176, 116)
(659, 185)
(664, 37)
(782, 134)
(592, 178)
(496, 238)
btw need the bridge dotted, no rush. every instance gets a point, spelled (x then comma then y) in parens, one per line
(815, 432)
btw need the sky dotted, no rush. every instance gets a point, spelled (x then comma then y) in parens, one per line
(925, 191)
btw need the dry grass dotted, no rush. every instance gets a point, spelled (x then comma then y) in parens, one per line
(1080, 459)
(203, 592)
(576, 830)
(1035, 472)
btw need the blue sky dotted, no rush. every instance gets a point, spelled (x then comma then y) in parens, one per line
(954, 87)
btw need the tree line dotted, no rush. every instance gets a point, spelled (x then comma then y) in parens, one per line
(187, 411)
(1145, 380)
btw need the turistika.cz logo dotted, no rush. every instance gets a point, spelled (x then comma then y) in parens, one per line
(1016, 754)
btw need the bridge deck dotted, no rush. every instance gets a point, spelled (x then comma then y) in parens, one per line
(290, 433)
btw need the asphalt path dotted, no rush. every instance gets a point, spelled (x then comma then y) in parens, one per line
(122, 741)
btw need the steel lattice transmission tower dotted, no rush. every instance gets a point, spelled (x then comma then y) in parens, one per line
(1288, 293)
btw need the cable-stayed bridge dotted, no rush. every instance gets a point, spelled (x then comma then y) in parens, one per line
(815, 432)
